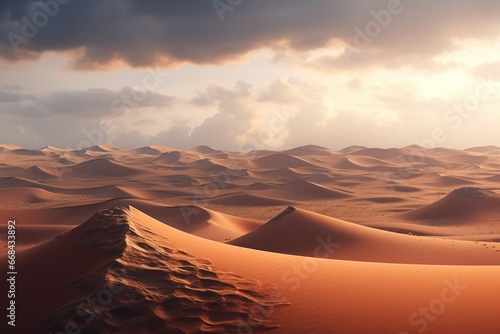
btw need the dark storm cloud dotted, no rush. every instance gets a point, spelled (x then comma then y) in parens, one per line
(148, 32)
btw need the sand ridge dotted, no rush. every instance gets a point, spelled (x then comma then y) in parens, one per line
(201, 240)
(158, 287)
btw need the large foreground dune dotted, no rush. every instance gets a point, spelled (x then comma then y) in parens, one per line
(307, 240)
(127, 271)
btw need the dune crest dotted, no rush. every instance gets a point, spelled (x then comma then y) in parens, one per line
(301, 232)
(157, 287)
(462, 204)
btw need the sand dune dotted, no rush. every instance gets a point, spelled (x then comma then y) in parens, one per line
(279, 160)
(308, 150)
(320, 178)
(495, 150)
(405, 189)
(176, 157)
(287, 173)
(103, 148)
(305, 190)
(119, 250)
(433, 178)
(17, 182)
(460, 205)
(150, 150)
(14, 185)
(418, 159)
(247, 199)
(465, 159)
(108, 191)
(195, 254)
(444, 151)
(357, 164)
(101, 168)
(446, 180)
(369, 164)
(387, 199)
(179, 179)
(203, 150)
(368, 161)
(65, 161)
(26, 195)
(33, 235)
(351, 149)
(379, 153)
(257, 186)
(300, 232)
(9, 147)
(51, 150)
(191, 219)
(160, 279)
(8, 171)
(23, 151)
(38, 173)
(221, 185)
(494, 178)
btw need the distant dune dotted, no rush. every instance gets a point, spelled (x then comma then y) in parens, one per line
(485, 150)
(151, 150)
(37, 173)
(101, 168)
(244, 199)
(279, 160)
(305, 190)
(308, 150)
(204, 150)
(176, 157)
(9, 147)
(460, 205)
(300, 232)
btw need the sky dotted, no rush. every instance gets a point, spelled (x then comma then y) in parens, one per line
(243, 75)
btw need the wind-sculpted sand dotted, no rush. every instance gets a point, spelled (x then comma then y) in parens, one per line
(154, 286)
(307, 240)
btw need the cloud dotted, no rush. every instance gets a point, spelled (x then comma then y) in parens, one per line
(235, 116)
(76, 119)
(100, 33)
(9, 96)
(488, 71)
(249, 118)
(90, 103)
(284, 113)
